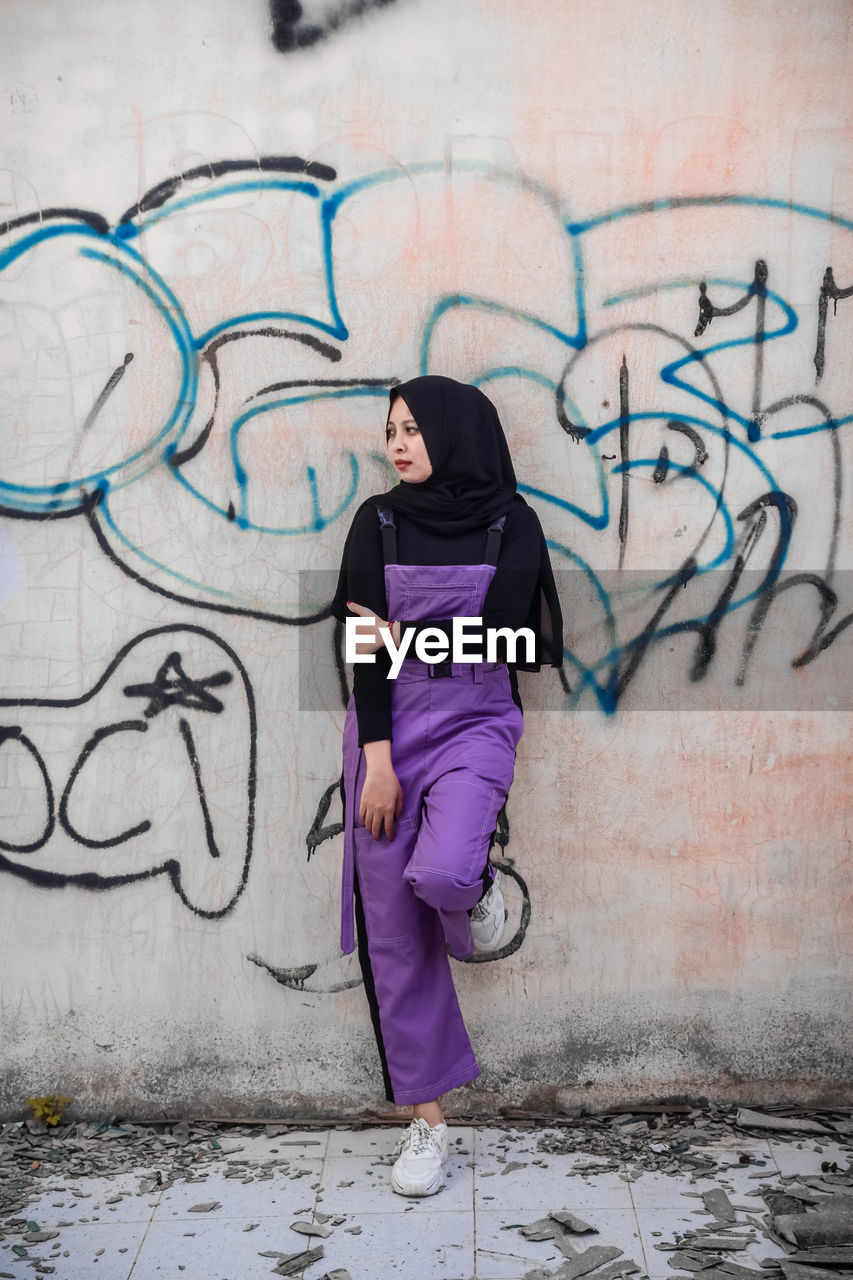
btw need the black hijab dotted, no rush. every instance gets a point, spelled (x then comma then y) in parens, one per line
(471, 484)
(472, 481)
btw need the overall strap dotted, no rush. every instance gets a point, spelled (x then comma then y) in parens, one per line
(493, 540)
(388, 530)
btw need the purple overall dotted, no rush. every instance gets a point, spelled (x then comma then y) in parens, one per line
(453, 750)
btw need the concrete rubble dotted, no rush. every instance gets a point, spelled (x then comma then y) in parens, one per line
(817, 1235)
(808, 1218)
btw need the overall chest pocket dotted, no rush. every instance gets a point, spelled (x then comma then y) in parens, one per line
(450, 599)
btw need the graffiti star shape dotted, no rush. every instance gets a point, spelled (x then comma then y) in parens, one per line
(172, 687)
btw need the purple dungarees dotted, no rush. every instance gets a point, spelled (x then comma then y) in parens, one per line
(453, 750)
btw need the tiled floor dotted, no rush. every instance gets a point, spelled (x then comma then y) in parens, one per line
(496, 1180)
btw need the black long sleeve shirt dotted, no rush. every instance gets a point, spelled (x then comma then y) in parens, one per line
(506, 603)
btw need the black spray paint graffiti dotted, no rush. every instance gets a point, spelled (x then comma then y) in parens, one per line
(750, 525)
(829, 289)
(158, 195)
(298, 25)
(761, 416)
(200, 349)
(214, 715)
(214, 435)
(707, 312)
(325, 977)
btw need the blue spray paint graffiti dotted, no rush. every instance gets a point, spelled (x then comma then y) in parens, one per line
(724, 435)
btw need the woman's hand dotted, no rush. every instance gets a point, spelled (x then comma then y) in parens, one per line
(369, 642)
(381, 795)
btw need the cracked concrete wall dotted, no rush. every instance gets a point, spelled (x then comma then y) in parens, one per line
(227, 226)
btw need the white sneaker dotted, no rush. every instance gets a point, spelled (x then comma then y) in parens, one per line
(420, 1153)
(488, 918)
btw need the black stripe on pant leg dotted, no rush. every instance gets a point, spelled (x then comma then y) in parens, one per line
(486, 874)
(369, 985)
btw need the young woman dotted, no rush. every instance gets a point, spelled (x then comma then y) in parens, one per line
(429, 755)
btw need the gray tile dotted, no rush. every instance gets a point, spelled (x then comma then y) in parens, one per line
(415, 1239)
(803, 1158)
(374, 1142)
(672, 1222)
(653, 1189)
(513, 1143)
(546, 1186)
(276, 1197)
(504, 1254)
(217, 1249)
(82, 1244)
(306, 1144)
(743, 1187)
(58, 1204)
(370, 1187)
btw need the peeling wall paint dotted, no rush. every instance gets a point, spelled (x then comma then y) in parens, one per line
(224, 230)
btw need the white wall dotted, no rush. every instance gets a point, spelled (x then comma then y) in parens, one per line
(527, 195)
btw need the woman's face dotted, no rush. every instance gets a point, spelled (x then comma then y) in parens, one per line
(405, 446)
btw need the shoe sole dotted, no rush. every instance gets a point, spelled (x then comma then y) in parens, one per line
(429, 1190)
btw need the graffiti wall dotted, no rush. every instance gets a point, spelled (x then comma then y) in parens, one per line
(225, 230)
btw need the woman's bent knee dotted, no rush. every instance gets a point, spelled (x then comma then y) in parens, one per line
(442, 891)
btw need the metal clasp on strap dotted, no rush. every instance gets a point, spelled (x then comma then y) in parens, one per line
(493, 539)
(388, 532)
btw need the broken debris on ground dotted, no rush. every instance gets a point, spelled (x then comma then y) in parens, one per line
(810, 1219)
